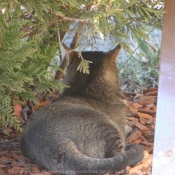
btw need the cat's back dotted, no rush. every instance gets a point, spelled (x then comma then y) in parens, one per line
(66, 112)
(67, 119)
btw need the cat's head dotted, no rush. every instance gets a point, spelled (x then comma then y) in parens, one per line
(102, 71)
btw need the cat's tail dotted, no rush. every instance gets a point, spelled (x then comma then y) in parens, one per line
(81, 163)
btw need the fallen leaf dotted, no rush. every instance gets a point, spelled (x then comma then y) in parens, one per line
(140, 126)
(147, 143)
(18, 112)
(18, 170)
(137, 105)
(2, 166)
(18, 157)
(42, 104)
(146, 116)
(132, 118)
(133, 136)
(146, 100)
(143, 120)
(132, 108)
(154, 94)
(150, 90)
(138, 141)
(147, 110)
(5, 160)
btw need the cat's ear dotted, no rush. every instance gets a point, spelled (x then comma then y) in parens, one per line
(67, 60)
(70, 54)
(61, 72)
(112, 55)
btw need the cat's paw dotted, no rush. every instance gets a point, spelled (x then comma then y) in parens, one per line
(136, 153)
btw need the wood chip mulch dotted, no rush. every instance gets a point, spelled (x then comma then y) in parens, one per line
(141, 113)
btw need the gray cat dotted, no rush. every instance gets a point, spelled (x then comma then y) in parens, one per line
(83, 132)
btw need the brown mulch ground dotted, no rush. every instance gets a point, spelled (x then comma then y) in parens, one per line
(141, 112)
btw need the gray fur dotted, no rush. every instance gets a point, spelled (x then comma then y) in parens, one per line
(84, 130)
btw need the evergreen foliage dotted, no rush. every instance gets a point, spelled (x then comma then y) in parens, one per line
(31, 33)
